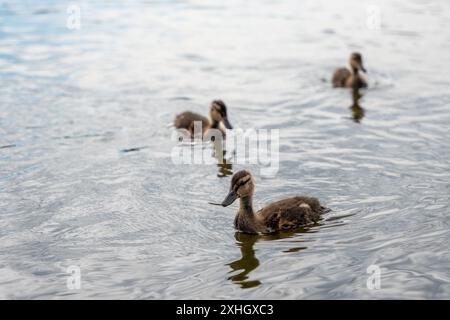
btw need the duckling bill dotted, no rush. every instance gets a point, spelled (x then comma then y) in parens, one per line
(217, 115)
(351, 78)
(282, 215)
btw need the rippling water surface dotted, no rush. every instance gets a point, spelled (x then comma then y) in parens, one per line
(86, 177)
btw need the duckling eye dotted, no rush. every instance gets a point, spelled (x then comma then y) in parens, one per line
(240, 184)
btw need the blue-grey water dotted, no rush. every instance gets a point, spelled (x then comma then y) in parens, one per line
(73, 101)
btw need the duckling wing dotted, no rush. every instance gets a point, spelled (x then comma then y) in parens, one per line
(186, 120)
(340, 77)
(290, 213)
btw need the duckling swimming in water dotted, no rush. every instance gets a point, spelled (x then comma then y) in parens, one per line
(289, 213)
(344, 78)
(217, 114)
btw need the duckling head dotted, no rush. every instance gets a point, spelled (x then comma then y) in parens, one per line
(356, 62)
(242, 186)
(218, 113)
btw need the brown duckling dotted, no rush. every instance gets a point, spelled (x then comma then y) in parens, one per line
(345, 78)
(289, 213)
(217, 114)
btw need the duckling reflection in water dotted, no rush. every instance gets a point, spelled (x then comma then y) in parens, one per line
(282, 215)
(345, 78)
(225, 167)
(217, 115)
(248, 261)
(357, 111)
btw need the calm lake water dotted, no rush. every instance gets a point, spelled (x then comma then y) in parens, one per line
(74, 102)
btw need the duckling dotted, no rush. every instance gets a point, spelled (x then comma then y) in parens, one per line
(343, 77)
(217, 114)
(289, 213)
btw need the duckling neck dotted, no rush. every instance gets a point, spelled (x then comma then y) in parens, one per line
(355, 71)
(246, 205)
(245, 220)
(214, 124)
